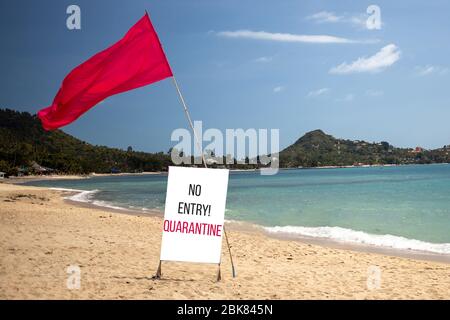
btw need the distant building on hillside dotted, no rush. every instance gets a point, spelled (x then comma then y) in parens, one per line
(115, 170)
(2, 175)
(418, 149)
(37, 168)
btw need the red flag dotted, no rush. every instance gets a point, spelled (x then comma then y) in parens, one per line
(134, 61)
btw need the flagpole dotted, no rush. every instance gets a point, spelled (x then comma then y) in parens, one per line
(199, 146)
(188, 116)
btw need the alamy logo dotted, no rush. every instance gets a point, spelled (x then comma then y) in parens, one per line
(373, 278)
(73, 281)
(374, 20)
(239, 146)
(73, 21)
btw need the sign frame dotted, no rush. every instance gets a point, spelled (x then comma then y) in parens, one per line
(194, 216)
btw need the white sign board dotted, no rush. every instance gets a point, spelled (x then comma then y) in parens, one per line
(194, 215)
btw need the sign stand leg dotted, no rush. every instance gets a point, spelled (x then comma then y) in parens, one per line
(158, 272)
(229, 251)
(219, 274)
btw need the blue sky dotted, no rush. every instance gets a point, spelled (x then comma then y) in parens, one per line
(292, 65)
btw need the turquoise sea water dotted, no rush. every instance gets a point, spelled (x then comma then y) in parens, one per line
(404, 207)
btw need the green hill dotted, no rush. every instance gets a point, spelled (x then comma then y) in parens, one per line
(316, 148)
(23, 143)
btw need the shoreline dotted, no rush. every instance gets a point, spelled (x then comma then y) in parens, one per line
(30, 178)
(41, 235)
(245, 226)
(24, 179)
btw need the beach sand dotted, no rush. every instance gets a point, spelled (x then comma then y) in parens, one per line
(41, 235)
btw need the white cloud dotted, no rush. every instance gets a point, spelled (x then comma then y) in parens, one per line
(286, 37)
(263, 59)
(374, 93)
(349, 97)
(318, 92)
(383, 59)
(358, 20)
(278, 89)
(430, 69)
(325, 17)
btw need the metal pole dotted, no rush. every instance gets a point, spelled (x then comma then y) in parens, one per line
(199, 146)
(188, 116)
(158, 272)
(233, 271)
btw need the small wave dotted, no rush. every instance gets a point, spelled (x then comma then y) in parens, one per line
(83, 195)
(87, 196)
(236, 222)
(105, 204)
(360, 237)
(134, 208)
(67, 189)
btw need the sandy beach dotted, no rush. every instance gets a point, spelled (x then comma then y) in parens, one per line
(41, 235)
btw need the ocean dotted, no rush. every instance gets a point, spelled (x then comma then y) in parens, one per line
(400, 207)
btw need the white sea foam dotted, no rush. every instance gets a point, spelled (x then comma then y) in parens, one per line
(66, 189)
(83, 195)
(87, 196)
(105, 204)
(360, 237)
(236, 222)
